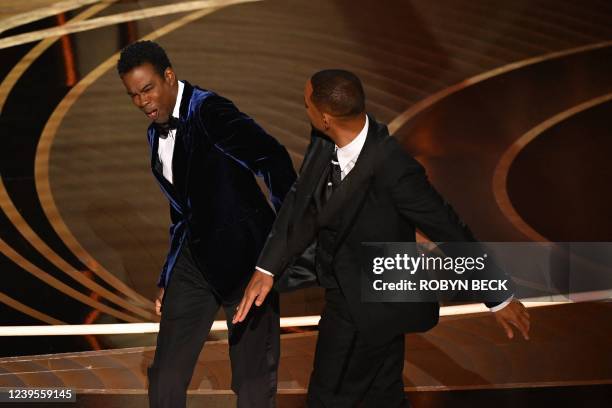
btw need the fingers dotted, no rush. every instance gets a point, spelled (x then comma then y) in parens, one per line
(525, 320)
(158, 301)
(524, 324)
(507, 328)
(256, 292)
(517, 317)
(239, 310)
(522, 328)
(521, 321)
(261, 296)
(158, 307)
(244, 306)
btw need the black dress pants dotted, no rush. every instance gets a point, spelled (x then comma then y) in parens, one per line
(349, 372)
(188, 310)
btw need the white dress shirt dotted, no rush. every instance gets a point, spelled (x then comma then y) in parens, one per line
(348, 155)
(165, 148)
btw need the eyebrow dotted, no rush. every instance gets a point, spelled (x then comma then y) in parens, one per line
(141, 90)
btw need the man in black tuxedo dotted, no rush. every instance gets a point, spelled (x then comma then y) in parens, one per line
(204, 154)
(357, 184)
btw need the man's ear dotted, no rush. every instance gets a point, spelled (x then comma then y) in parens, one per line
(170, 76)
(326, 118)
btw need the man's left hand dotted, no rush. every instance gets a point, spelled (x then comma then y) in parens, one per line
(514, 314)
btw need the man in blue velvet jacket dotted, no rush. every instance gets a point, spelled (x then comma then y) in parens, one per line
(204, 153)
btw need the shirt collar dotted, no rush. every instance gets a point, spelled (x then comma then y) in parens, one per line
(351, 151)
(179, 96)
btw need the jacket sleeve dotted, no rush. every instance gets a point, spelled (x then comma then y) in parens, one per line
(418, 201)
(275, 256)
(239, 137)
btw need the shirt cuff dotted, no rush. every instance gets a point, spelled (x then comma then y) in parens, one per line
(264, 271)
(502, 304)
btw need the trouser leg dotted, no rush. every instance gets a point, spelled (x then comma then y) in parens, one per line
(387, 388)
(188, 311)
(254, 353)
(347, 369)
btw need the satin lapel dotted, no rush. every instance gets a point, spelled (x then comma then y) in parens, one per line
(179, 162)
(348, 196)
(166, 187)
(181, 157)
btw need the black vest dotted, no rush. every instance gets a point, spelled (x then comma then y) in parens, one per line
(326, 242)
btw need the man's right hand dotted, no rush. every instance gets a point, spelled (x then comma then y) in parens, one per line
(158, 301)
(257, 290)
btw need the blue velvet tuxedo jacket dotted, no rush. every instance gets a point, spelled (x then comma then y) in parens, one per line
(216, 205)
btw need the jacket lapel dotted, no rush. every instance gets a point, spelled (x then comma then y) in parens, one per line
(156, 167)
(346, 200)
(181, 157)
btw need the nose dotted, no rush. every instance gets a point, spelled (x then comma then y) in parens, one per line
(141, 101)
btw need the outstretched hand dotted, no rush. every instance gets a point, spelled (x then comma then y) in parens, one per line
(256, 291)
(514, 314)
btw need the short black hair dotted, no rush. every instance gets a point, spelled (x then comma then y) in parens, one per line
(141, 52)
(338, 91)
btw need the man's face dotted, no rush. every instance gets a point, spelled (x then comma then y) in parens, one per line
(150, 92)
(314, 114)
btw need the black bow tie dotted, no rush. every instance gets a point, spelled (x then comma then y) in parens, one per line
(165, 128)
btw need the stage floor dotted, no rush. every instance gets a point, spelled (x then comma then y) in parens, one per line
(462, 353)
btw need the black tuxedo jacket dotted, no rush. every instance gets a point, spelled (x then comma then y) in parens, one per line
(384, 198)
(216, 206)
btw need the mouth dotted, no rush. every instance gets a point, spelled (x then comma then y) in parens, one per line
(152, 114)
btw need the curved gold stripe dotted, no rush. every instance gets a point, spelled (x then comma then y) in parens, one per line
(500, 176)
(42, 12)
(426, 103)
(13, 214)
(27, 232)
(25, 309)
(421, 106)
(41, 166)
(11, 78)
(116, 19)
(59, 285)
